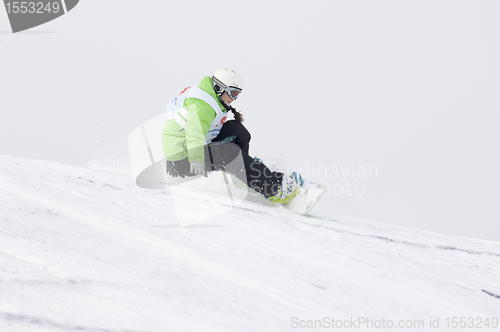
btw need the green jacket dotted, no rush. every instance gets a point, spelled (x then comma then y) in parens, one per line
(179, 143)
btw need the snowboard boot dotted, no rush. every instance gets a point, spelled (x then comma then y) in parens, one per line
(290, 187)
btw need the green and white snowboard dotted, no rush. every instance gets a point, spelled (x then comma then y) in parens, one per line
(308, 196)
(229, 186)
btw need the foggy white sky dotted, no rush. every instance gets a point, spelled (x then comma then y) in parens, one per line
(408, 87)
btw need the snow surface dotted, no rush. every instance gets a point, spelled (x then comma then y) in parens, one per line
(87, 250)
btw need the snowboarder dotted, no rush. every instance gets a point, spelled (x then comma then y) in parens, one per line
(197, 138)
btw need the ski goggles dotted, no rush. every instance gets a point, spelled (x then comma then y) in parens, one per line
(233, 92)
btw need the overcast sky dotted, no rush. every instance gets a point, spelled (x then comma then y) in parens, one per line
(408, 90)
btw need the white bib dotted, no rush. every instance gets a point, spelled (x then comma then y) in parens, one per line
(176, 111)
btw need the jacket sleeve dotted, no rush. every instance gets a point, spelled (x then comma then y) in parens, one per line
(200, 117)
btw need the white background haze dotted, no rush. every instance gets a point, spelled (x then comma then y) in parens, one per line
(410, 87)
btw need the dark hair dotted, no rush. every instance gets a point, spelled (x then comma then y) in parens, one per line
(237, 115)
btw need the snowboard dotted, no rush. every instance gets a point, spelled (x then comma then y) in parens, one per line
(217, 184)
(309, 194)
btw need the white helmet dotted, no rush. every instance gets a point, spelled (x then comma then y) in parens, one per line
(228, 80)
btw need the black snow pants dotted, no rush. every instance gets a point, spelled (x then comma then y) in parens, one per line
(228, 152)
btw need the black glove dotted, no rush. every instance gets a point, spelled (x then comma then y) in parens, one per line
(172, 170)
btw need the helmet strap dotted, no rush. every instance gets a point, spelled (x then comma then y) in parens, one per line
(226, 106)
(219, 87)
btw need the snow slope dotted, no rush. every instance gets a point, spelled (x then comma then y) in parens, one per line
(86, 250)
